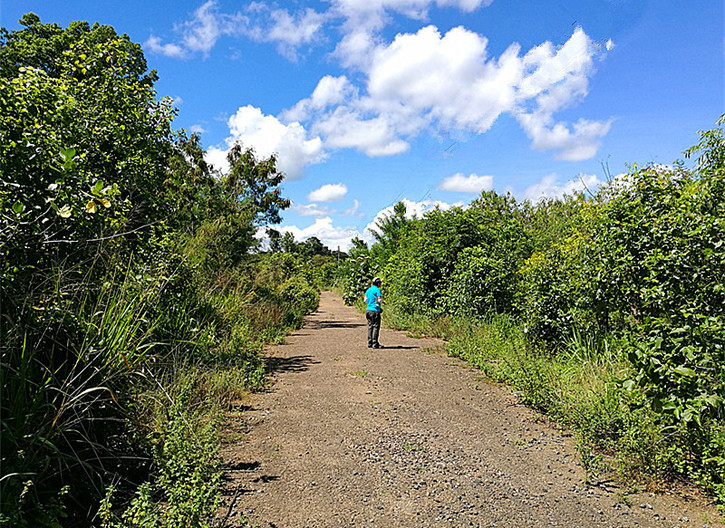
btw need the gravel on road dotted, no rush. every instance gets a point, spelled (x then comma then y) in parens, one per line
(405, 436)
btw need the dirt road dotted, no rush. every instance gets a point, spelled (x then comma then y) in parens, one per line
(406, 437)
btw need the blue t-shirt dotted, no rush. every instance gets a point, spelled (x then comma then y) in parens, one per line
(372, 297)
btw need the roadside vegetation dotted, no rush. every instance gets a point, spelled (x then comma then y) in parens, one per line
(606, 310)
(134, 297)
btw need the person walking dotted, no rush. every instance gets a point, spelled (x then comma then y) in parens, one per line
(373, 298)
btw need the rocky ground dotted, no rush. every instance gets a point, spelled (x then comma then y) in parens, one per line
(407, 437)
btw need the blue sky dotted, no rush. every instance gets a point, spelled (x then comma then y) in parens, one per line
(368, 102)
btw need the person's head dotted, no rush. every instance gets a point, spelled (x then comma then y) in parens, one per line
(377, 281)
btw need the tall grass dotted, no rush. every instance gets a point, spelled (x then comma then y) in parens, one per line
(578, 386)
(66, 359)
(113, 389)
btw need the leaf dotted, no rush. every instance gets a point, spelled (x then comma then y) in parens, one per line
(18, 207)
(91, 206)
(68, 154)
(684, 371)
(105, 203)
(97, 188)
(65, 211)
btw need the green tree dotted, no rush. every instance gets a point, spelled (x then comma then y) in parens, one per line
(435, 269)
(389, 231)
(255, 184)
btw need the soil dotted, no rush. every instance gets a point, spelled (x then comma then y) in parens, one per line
(405, 436)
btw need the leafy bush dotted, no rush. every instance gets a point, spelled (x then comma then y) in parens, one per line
(123, 267)
(662, 242)
(480, 283)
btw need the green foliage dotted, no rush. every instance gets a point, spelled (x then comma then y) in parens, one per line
(554, 291)
(480, 283)
(442, 258)
(127, 289)
(186, 491)
(390, 231)
(255, 183)
(604, 311)
(662, 242)
(358, 270)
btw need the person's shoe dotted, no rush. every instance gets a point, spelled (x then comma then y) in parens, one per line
(378, 346)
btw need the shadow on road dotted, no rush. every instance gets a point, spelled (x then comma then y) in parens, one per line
(290, 364)
(243, 466)
(333, 324)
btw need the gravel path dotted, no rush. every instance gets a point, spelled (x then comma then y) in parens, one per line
(407, 437)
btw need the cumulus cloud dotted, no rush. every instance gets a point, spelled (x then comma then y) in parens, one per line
(328, 193)
(550, 187)
(446, 78)
(267, 135)
(258, 22)
(424, 81)
(328, 234)
(574, 143)
(347, 128)
(329, 91)
(467, 184)
(318, 211)
(363, 21)
(197, 129)
(449, 81)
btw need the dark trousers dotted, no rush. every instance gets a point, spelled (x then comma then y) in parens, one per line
(373, 327)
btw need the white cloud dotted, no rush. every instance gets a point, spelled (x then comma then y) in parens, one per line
(353, 210)
(217, 158)
(328, 193)
(363, 20)
(202, 32)
(576, 143)
(328, 92)
(318, 211)
(328, 234)
(549, 187)
(295, 30)
(446, 78)
(197, 129)
(467, 184)
(427, 81)
(153, 45)
(267, 135)
(448, 81)
(208, 24)
(346, 128)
